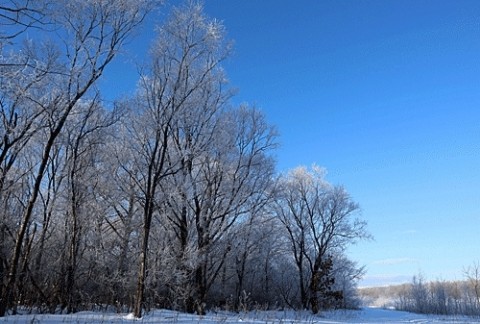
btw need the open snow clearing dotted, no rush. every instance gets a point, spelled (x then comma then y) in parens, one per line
(365, 315)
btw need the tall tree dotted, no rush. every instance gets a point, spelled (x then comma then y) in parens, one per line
(232, 180)
(320, 222)
(185, 58)
(83, 139)
(92, 33)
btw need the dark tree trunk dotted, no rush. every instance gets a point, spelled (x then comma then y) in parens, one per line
(139, 296)
(313, 293)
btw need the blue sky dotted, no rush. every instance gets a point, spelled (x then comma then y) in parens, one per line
(385, 95)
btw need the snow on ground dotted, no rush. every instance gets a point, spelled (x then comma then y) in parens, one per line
(366, 315)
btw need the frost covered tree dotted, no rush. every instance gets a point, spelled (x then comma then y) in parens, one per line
(320, 222)
(198, 45)
(169, 198)
(439, 297)
(346, 275)
(472, 273)
(178, 93)
(196, 163)
(83, 139)
(17, 16)
(233, 180)
(123, 213)
(257, 261)
(55, 73)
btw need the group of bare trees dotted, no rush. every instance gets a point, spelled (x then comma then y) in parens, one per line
(439, 297)
(443, 297)
(320, 222)
(168, 199)
(45, 84)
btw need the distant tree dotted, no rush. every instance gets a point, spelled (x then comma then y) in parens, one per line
(439, 298)
(472, 273)
(419, 295)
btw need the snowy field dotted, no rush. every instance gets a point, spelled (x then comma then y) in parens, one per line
(366, 315)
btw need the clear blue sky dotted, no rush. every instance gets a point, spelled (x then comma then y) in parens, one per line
(386, 96)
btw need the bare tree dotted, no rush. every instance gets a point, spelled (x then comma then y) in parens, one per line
(257, 247)
(123, 215)
(16, 16)
(92, 33)
(319, 221)
(190, 191)
(472, 273)
(83, 138)
(234, 180)
(347, 273)
(149, 142)
(180, 90)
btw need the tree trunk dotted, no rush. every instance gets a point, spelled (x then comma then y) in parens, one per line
(314, 285)
(71, 269)
(313, 293)
(8, 292)
(139, 296)
(137, 312)
(201, 288)
(303, 292)
(240, 276)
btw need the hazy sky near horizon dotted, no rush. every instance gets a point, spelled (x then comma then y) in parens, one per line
(386, 96)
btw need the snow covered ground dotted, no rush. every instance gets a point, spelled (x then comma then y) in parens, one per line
(366, 315)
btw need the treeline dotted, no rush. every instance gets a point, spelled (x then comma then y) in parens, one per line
(434, 297)
(440, 297)
(169, 198)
